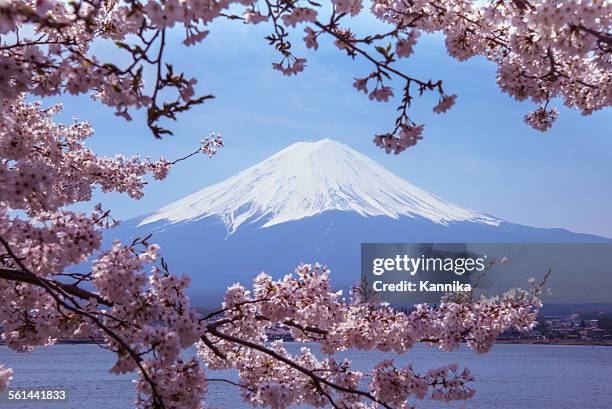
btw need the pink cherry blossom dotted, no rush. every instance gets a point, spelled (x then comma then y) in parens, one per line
(352, 7)
(212, 144)
(300, 15)
(361, 84)
(311, 38)
(381, 94)
(288, 67)
(405, 46)
(541, 119)
(445, 104)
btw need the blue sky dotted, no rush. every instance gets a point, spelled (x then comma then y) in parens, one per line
(479, 155)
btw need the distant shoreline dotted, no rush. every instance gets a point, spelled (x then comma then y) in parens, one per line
(590, 342)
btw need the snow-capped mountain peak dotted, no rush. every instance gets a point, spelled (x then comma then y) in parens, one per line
(309, 178)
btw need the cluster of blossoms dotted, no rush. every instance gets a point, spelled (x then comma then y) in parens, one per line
(45, 165)
(446, 103)
(128, 299)
(290, 66)
(404, 47)
(542, 119)
(211, 144)
(408, 136)
(304, 303)
(57, 58)
(543, 49)
(381, 94)
(394, 385)
(299, 15)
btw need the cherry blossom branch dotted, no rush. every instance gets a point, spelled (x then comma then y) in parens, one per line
(25, 277)
(241, 334)
(52, 289)
(605, 38)
(319, 380)
(380, 65)
(511, 34)
(44, 167)
(227, 381)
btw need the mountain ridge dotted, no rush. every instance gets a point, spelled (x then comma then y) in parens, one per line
(231, 231)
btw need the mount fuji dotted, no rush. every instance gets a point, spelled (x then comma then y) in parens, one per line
(312, 201)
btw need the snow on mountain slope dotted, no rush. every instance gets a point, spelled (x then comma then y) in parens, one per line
(307, 179)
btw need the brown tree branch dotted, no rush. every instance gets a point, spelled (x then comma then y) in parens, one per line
(24, 277)
(317, 379)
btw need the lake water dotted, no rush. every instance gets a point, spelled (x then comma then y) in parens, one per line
(510, 376)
